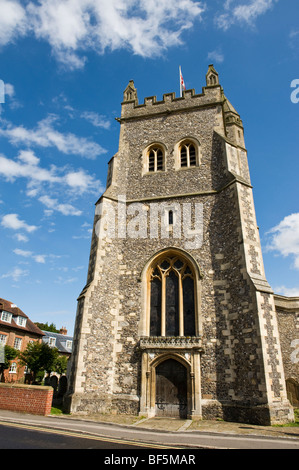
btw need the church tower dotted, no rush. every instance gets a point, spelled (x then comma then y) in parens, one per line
(177, 317)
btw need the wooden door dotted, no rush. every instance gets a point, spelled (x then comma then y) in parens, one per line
(171, 389)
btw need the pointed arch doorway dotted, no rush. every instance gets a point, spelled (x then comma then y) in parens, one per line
(171, 336)
(171, 389)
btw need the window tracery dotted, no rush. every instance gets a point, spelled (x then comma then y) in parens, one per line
(188, 155)
(155, 159)
(172, 298)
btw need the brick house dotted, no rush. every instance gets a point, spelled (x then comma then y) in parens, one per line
(16, 330)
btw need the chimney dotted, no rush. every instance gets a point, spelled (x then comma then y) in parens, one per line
(63, 331)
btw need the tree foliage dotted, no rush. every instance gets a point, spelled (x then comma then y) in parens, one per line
(39, 357)
(47, 327)
(9, 355)
(61, 364)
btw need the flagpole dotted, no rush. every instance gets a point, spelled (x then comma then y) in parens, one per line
(180, 72)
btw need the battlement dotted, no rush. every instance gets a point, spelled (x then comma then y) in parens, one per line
(211, 95)
(170, 102)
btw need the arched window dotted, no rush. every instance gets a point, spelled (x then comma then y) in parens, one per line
(155, 159)
(188, 155)
(172, 297)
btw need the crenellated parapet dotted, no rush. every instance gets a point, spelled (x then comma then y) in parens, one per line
(171, 103)
(211, 96)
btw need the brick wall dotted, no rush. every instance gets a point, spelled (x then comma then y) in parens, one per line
(27, 398)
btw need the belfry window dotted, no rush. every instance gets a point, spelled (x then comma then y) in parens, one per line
(187, 155)
(155, 159)
(172, 299)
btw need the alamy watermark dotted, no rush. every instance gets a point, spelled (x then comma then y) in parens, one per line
(295, 353)
(155, 220)
(295, 93)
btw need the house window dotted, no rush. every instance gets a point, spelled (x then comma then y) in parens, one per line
(172, 298)
(3, 339)
(52, 341)
(188, 155)
(17, 343)
(6, 316)
(69, 344)
(21, 321)
(155, 159)
(13, 368)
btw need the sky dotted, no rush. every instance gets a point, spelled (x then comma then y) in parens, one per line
(64, 65)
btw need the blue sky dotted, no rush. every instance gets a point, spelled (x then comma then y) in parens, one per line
(65, 65)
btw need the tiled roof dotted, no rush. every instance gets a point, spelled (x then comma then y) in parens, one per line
(61, 341)
(10, 307)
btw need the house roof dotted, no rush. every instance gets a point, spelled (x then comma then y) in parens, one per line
(10, 307)
(61, 341)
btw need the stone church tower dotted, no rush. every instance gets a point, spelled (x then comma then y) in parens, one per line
(177, 317)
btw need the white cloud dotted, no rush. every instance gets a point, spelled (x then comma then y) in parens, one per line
(294, 39)
(25, 253)
(15, 273)
(30, 254)
(63, 280)
(21, 238)
(13, 222)
(216, 56)
(285, 238)
(287, 291)
(250, 12)
(9, 89)
(146, 27)
(44, 135)
(12, 21)
(96, 119)
(65, 209)
(40, 258)
(246, 12)
(27, 166)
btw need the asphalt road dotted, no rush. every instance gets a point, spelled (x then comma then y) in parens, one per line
(18, 437)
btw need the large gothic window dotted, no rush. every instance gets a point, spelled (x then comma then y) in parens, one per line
(172, 299)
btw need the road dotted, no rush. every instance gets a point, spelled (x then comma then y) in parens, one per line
(28, 431)
(20, 436)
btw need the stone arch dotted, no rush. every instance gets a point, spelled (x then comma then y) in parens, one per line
(171, 385)
(155, 147)
(187, 141)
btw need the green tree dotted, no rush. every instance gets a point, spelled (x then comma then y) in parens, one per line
(39, 357)
(9, 355)
(60, 365)
(46, 327)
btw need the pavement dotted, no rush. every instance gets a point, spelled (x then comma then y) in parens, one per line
(187, 425)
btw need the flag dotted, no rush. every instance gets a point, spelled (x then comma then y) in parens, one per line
(182, 83)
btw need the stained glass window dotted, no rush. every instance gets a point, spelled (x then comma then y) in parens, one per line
(155, 314)
(172, 298)
(188, 302)
(172, 305)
